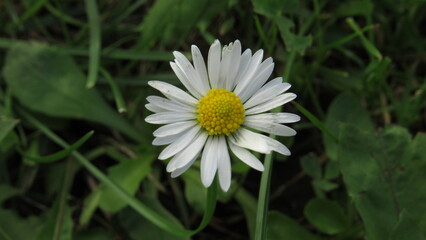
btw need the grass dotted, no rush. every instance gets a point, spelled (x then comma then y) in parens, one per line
(356, 66)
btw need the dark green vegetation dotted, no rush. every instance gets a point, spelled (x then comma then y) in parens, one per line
(358, 163)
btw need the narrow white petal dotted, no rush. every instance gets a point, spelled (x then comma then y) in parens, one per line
(173, 128)
(159, 141)
(257, 81)
(276, 102)
(192, 75)
(244, 64)
(270, 127)
(169, 105)
(201, 69)
(234, 64)
(213, 63)
(250, 73)
(184, 79)
(274, 117)
(224, 165)
(173, 92)
(153, 108)
(169, 117)
(257, 142)
(225, 65)
(182, 158)
(181, 143)
(269, 91)
(209, 161)
(246, 157)
(179, 171)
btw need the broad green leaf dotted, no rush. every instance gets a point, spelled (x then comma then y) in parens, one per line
(281, 226)
(6, 125)
(327, 216)
(61, 154)
(12, 227)
(406, 228)
(249, 206)
(345, 108)
(94, 234)
(354, 7)
(272, 8)
(311, 165)
(195, 192)
(127, 174)
(176, 19)
(292, 41)
(59, 224)
(139, 228)
(51, 83)
(7, 192)
(384, 175)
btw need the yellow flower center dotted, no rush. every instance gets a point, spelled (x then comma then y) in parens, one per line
(220, 112)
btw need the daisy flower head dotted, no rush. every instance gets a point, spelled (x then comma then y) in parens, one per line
(224, 108)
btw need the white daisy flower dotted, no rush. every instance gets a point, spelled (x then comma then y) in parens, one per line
(225, 102)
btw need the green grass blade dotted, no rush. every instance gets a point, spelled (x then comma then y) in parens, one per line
(372, 50)
(95, 42)
(133, 202)
(31, 11)
(61, 154)
(118, 97)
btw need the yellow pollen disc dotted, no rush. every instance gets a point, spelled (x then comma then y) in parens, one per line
(220, 112)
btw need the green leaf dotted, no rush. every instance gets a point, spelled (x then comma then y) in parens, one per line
(57, 220)
(61, 154)
(281, 226)
(406, 228)
(311, 165)
(327, 216)
(7, 192)
(139, 228)
(354, 7)
(292, 41)
(384, 175)
(345, 108)
(195, 192)
(95, 42)
(127, 174)
(53, 84)
(94, 234)
(6, 126)
(249, 205)
(12, 227)
(272, 8)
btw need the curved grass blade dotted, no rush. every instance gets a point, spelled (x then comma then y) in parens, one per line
(61, 154)
(133, 202)
(95, 42)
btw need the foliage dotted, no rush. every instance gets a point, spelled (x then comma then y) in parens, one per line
(76, 160)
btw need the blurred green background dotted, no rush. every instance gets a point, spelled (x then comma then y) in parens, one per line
(358, 163)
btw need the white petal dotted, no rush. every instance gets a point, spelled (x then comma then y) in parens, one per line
(246, 157)
(267, 92)
(257, 142)
(193, 76)
(274, 117)
(276, 102)
(233, 65)
(224, 165)
(181, 143)
(244, 64)
(181, 159)
(169, 117)
(213, 63)
(209, 161)
(173, 92)
(184, 79)
(200, 67)
(225, 64)
(173, 128)
(153, 108)
(257, 81)
(179, 171)
(250, 73)
(270, 127)
(169, 105)
(159, 141)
